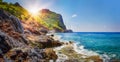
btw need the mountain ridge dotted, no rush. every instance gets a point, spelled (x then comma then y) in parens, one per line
(46, 18)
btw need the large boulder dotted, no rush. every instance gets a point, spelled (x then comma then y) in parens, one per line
(7, 43)
(12, 20)
(4, 47)
(11, 32)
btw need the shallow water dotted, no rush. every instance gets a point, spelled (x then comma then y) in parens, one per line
(103, 43)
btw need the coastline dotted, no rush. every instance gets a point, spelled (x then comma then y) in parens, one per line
(28, 40)
(79, 48)
(68, 52)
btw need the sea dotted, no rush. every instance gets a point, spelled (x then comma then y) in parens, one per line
(106, 44)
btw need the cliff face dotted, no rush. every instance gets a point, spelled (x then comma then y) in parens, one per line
(62, 22)
(10, 30)
(10, 19)
(46, 18)
(23, 36)
(18, 46)
(54, 21)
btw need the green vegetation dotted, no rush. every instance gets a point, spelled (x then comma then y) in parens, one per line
(0, 0)
(52, 20)
(14, 9)
(49, 19)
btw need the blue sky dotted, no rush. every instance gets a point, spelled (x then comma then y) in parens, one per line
(82, 15)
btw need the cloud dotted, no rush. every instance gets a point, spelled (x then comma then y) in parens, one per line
(74, 15)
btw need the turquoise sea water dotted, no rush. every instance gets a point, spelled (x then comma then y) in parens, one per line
(101, 42)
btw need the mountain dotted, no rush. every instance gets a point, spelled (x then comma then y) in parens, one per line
(18, 45)
(53, 20)
(46, 19)
(23, 36)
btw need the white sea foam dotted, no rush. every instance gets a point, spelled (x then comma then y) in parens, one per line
(79, 49)
(105, 58)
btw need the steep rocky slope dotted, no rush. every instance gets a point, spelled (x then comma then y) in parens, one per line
(53, 20)
(16, 45)
(23, 36)
(45, 18)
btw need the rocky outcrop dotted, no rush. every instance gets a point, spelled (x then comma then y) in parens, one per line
(11, 32)
(62, 25)
(43, 40)
(68, 54)
(68, 31)
(19, 46)
(17, 4)
(14, 22)
(45, 18)
(59, 16)
(26, 41)
(4, 46)
(53, 20)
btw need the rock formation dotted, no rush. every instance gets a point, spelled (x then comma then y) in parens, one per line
(54, 20)
(18, 46)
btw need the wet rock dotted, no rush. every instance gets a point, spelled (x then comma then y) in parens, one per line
(50, 53)
(43, 31)
(95, 58)
(44, 41)
(68, 54)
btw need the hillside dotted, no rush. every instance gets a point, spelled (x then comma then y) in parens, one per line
(45, 19)
(23, 36)
(18, 45)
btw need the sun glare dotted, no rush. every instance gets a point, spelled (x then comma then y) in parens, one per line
(37, 6)
(34, 11)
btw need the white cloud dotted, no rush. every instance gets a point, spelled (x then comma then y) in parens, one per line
(74, 15)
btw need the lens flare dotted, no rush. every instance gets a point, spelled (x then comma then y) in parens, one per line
(34, 11)
(34, 6)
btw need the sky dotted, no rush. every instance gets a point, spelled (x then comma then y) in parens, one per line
(82, 15)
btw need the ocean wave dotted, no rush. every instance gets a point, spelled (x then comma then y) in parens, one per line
(79, 49)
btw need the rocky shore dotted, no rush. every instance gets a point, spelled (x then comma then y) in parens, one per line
(68, 53)
(18, 45)
(27, 41)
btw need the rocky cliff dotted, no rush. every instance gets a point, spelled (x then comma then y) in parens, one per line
(16, 45)
(54, 21)
(45, 18)
(23, 36)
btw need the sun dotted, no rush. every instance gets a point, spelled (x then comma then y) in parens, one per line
(34, 11)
